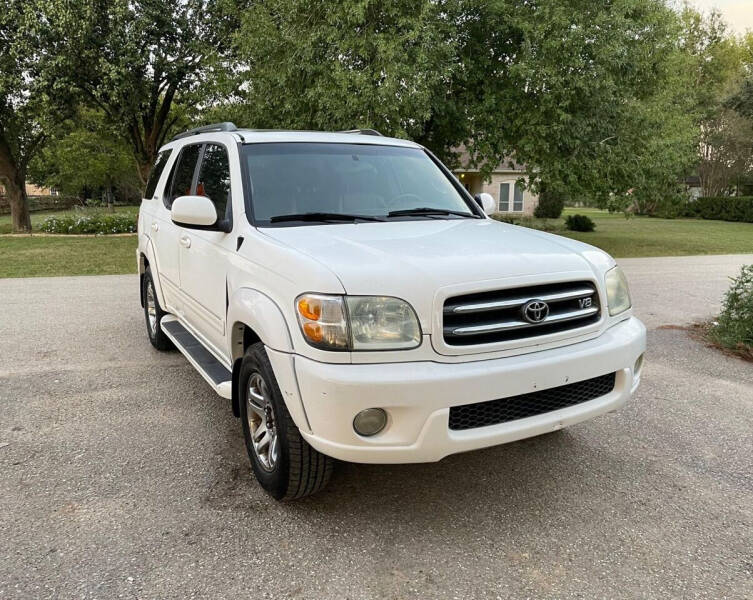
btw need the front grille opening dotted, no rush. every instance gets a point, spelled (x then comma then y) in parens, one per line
(493, 412)
(571, 305)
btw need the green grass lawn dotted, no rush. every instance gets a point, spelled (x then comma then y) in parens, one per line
(38, 217)
(42, 256)
(646, 236)
(37, 256)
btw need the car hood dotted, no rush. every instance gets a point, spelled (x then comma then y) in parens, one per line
(415, 259)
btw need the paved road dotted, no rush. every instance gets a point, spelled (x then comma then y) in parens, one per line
(123, 476)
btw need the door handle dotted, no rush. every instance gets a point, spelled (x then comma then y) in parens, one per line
(155, 227)
(185, 241)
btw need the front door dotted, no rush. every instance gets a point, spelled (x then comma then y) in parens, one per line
(204, 252)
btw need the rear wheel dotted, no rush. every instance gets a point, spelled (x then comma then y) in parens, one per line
(283, 462)
(153, 314)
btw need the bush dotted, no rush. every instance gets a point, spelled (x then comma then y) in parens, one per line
(724, 208)
(504, 218)
(579, 223)
(550, 206)
(96, 223)
(734, 329)
(525, 221)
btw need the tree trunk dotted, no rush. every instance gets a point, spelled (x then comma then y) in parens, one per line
(19, 206)
(14, 179)
(144, 168)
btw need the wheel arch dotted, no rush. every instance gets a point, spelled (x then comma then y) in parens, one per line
(147, 259)
(253, 317)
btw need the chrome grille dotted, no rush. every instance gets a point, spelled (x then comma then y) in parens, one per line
(498, 315)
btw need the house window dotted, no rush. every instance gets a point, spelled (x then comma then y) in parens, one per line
(504, 197)
(510, 197)
(517, 203)
(507, 203)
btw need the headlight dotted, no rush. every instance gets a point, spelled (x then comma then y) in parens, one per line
(618, 295)
(357, 322)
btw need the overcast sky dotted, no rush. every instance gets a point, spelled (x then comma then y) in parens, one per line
(738, 13)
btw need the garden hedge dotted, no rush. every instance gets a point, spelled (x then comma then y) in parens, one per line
(724, 208)
(93, 223)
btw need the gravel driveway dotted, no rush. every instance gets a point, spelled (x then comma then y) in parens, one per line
(122, 475)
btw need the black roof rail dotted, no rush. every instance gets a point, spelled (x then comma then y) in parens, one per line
(225, 126)
(362, 132)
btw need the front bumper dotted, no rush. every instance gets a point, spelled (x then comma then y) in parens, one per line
(418, 395)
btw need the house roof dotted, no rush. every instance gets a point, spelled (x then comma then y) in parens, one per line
(506, 165)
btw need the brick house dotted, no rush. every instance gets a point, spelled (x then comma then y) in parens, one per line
(509, 195)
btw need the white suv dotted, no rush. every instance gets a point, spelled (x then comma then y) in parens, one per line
(355, 302)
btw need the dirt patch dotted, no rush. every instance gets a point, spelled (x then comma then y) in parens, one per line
(701, 332)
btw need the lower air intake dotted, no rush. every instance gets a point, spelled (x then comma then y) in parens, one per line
(493, 412)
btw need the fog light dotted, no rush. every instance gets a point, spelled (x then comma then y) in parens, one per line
(370, 421)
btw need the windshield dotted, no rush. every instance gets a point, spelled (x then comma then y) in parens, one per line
(305, 183)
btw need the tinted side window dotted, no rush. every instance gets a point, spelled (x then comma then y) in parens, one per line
(214, 178)
(159, 166)
(182, 181)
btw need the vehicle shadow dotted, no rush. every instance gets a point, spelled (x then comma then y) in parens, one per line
(523, 478)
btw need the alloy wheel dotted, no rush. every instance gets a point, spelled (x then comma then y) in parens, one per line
(151, 309)
(261, 422)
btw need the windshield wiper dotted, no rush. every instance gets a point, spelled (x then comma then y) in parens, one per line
(323, 216)
(428, 211)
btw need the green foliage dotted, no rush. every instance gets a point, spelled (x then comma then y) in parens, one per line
(723, 208)
(315, 65)
(588, 94)
(550, 205)
(529, 222)
(86, 156)
(579, 223)
(32, 98)
(91, 223)
(734, 327)
(145, 64)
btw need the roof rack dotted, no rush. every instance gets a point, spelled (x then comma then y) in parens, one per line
(225, 126)
(363, 132)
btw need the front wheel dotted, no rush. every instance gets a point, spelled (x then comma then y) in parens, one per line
(283, 462)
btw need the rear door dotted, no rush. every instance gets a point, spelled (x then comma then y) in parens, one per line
(204, 251)
(165, 234)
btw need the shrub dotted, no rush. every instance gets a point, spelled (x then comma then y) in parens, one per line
(503, 218)
(734, 328)
(723, 208)
(550, 206)
(526, 221)
(96, 223)
(579, 223)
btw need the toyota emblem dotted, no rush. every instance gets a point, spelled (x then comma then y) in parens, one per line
(535, 311)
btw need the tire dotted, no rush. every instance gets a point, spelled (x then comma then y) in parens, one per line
(153, 314)
(285, 465)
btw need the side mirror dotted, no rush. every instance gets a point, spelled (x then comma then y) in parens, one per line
(486, 202)
(194, 210)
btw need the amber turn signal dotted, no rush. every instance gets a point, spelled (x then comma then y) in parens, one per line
(310, 308)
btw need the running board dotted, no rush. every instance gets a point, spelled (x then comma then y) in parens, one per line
(211, 369)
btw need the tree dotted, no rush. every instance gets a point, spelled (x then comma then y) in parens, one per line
(31, 97)
(726, 152)
(140, 62)
(86, 155)
(565, 87)
(311, 64)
